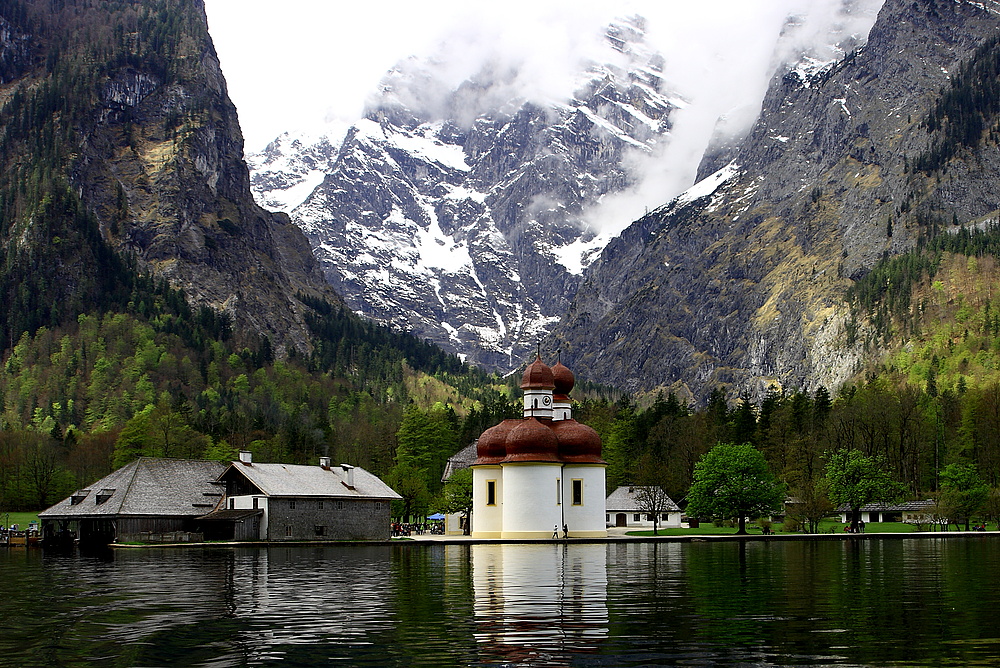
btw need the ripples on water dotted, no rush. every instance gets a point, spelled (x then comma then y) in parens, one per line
(781, 603)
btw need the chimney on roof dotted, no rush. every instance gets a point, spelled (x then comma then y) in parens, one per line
(349, 470)
(246, 457)
(324, 463)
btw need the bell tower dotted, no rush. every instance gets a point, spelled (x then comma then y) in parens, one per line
(538, 384)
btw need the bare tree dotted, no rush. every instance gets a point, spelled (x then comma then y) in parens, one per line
(653, 501)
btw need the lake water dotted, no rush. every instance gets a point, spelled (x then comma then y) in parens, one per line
(871, 602)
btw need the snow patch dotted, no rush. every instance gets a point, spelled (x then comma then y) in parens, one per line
(579, 255)
(289, 198)
(707, 185)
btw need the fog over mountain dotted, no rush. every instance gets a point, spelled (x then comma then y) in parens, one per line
(486, 173)
(718, 54)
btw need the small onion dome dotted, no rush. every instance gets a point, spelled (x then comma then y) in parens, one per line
(538, 376)
(532, 441)
(578, 443)
(490, 448)
(563, 379)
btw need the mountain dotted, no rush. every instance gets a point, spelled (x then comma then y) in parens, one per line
(742, 281)
(122, 154)
(459, 212)
(145, 300)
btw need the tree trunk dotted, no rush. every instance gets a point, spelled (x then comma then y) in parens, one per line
(743, 525)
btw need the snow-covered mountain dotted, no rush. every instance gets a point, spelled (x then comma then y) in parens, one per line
(460, 212)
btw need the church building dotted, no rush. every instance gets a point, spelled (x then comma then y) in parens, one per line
(543, 473)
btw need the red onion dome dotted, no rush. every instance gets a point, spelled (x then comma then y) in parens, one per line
(490, 448)
(532, 441)
(563, 379)
(578, 443)
(538, 376)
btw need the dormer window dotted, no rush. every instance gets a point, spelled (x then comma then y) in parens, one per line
(105, 494)
(79, 497)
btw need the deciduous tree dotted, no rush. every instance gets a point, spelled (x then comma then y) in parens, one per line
(963, 492)
(856, 479)
(734, 481)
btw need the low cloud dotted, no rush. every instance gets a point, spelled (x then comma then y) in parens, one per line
(300, 64)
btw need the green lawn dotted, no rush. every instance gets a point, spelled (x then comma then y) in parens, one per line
(20, 519)
(827, 526)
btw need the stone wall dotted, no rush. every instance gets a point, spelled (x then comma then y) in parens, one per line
(293, 519)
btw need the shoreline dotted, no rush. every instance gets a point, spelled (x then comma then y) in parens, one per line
(615, 538)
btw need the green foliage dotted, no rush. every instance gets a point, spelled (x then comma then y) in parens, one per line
(734, 481)
(410, 483)
(856, 479)
(426, 439)
(884, 295)
(963, 492)
(114, 387)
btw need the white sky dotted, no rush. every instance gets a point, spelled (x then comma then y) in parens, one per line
(310, 65)
(295, 64)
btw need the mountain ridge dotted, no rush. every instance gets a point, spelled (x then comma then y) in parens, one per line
(141, 131)
(744, 287)
(468, 229)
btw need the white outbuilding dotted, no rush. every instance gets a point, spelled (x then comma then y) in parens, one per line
(633, 506)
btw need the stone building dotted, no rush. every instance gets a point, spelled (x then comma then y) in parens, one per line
(542, 474)
(185, 500)
(289, 502)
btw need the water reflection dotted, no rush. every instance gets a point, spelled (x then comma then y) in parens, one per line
(914, 602)
(536, 604)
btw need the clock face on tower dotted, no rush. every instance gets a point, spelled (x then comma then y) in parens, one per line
(546, 400)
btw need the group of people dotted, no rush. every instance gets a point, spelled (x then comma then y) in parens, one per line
(860, 528)
(14, 527)
(407, 529)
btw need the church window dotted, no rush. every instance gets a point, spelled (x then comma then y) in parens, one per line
(491, 492)
(577, 492)
(558, 492)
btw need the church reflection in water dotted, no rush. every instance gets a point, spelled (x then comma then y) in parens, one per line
(536, 604)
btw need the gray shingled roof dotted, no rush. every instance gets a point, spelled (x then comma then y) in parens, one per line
(888, 507)
(148, 486)
(624, 499)
(298, 480)
(462, 459)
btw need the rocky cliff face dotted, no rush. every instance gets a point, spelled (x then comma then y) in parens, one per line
(461, 218)
(740, 282)
(156, 156)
